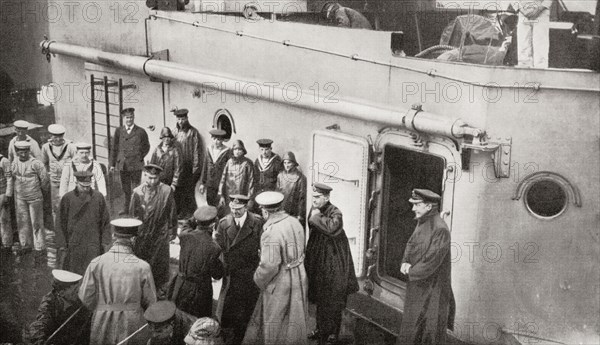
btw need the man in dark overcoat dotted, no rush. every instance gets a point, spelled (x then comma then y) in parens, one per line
(215, 159)
(238, 235)
(429, 304)
(199, 261)
(83, 230)
(130, 146)
(329, 265)
(56, 310)
(153, 204)
(190, 143)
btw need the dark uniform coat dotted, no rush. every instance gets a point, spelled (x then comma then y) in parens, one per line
(117, 287)
(83, 228)
(169, 159)
(429, 304)
(329, 266)
(267, 173)
(293, 187)
(282, 310)
(191, 290)
(190, 145)
(130, 149)
(52, 313)
(156, 209)
(238, 178)
(212, 173)
(240, 252)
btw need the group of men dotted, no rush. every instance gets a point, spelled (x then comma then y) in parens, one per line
(270, 273)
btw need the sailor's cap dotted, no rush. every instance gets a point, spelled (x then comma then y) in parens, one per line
(205, 214)
(126, 226)
(66, 276)
(269, 199)
(424, 195)
(264, 142)
(21, 124)
(153, 169)
(84, 177)
(217, 133)
(180, 112)
(238, 201)
(56, 129)
(321, 189)
(160, 312)
(128, 112)
(83, 146)
(22, 145)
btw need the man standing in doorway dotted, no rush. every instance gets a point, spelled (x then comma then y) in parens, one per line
(190, 143)
(82, 225)
(429, 303)
(154, 205)
(533, 33)
(329, 265)
(130, 146)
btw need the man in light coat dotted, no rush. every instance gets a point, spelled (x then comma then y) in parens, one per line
(82, 162)
(21, 128)
(282, 307)
(118, 287)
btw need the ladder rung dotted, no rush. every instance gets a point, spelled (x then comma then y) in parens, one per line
(98, 156)
(129, 86)
(100, 135)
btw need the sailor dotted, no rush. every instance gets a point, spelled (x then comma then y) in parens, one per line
(168, 325)
(61, 318)
(205, 331)
(280, 313)
(21, 128)
(118, 287)
(55, 153)
(429, 303)
(292, 183)
(5, 204)
(82, 229)
(190, 143)
(329, 265)
(199, 261)
(533, 33)
(168, 156)
(345, 16)
(153, 203)
(82, 162)
(216, 157)
(130, 146)
(267, 165)
(238, 176)
(28, 178)
(238, 235)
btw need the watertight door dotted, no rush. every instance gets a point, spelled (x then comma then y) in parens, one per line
(341, 161)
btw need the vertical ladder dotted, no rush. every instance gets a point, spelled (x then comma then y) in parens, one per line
(106, 106)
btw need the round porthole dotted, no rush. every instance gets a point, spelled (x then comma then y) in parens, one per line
(223, 120)
(546, 198)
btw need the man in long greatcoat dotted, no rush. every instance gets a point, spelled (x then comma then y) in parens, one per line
(281, 312)
(429, 303)
(56, 308)
(153, 204)
(83, 229)
(238, 235)
(216, 157)
(199, 263)
(191, 146)
(117, 287)
(329, 265)
(292, 183)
